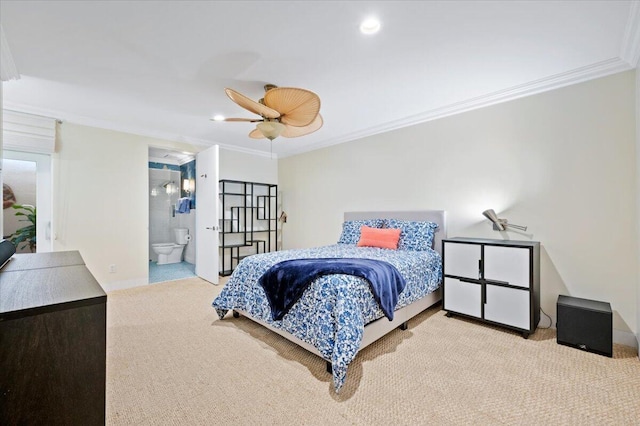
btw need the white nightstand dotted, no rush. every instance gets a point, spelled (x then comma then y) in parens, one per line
(494, 281)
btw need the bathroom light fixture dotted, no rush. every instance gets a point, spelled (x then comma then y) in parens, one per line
(500, 224)
(169, 186)
(185, 185)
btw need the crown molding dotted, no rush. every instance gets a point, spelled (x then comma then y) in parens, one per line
(631, 42)
(250, 151)
(8, 69)
(62, 116)
(578, 75)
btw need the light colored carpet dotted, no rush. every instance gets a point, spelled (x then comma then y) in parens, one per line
(170, 361)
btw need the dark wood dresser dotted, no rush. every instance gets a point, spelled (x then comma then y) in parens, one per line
(52, 341)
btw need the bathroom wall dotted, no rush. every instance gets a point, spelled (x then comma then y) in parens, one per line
(164, 191)
(161, 226)
(188, 172)
(188, 220)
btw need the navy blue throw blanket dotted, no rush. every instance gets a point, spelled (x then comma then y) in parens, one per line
(285, 282)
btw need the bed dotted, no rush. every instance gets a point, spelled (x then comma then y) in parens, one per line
(337, 315)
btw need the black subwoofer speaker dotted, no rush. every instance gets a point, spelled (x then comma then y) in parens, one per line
(585, 324)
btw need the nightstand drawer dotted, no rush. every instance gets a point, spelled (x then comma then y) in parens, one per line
(507, 264)
(509, 306)
(462, 260)
(462, 297)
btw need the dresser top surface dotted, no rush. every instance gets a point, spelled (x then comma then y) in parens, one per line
(49, 281)
(27, 261)
(514, 243)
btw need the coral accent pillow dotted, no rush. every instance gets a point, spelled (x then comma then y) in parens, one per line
(374, 237)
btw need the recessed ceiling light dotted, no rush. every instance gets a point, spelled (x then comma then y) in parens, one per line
(370, 26)
(218, 117)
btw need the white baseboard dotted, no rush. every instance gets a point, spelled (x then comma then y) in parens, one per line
(626, 338)
(121, 285)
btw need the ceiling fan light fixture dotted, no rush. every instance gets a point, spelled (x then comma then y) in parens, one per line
(271, 129)
(218, 117)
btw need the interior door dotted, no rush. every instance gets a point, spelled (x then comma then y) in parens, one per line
(207, 214)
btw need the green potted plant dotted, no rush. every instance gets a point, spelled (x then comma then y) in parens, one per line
(27, 234)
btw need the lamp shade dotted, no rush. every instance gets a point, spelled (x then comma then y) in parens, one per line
(270, 129)
(493, 217)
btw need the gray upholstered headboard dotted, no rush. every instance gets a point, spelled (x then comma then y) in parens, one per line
(436, 216)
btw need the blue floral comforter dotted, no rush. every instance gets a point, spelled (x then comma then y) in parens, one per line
(334, 309)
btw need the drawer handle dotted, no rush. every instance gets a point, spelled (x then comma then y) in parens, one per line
(497, 282)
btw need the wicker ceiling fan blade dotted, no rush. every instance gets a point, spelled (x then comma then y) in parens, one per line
(251, 105)
(249, 120)
(298, 107)
(294, 132)
(256, 134)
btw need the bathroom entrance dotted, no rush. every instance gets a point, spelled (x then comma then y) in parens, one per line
(171, 215)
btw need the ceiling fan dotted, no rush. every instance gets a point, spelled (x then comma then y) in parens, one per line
(285, 111)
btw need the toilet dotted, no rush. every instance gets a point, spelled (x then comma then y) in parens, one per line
(172, 252)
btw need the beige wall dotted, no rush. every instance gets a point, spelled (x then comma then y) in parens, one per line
(235, 165)
(562, 163)
(242, 166)
(638, 200)
(100, 202)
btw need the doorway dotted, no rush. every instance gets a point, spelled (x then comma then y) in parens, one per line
(27, 201)
(185, 174)
(172, 231)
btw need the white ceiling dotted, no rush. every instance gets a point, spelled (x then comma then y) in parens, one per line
(159, 68)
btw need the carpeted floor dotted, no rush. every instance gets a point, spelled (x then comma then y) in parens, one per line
(170, 361)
